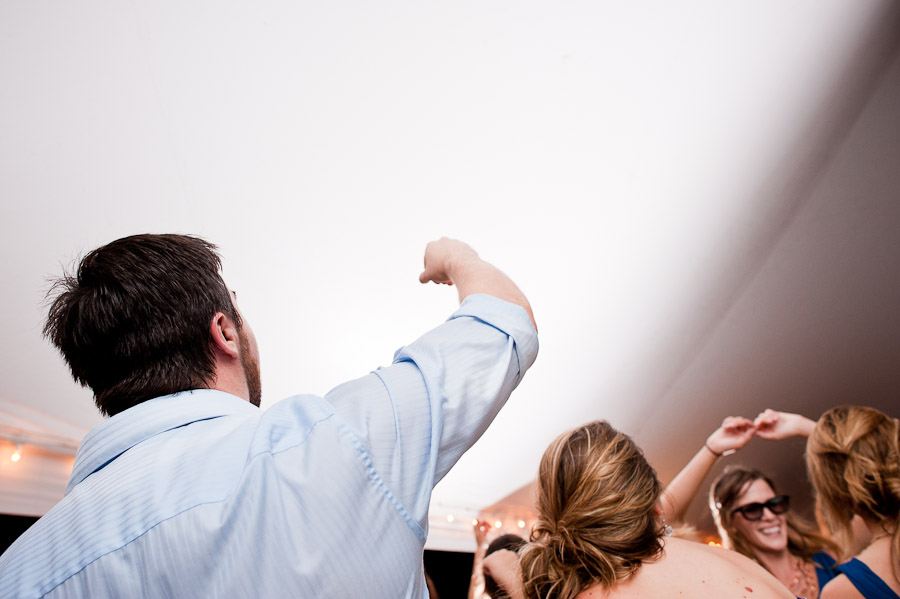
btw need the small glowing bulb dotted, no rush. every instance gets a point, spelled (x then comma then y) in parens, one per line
(498, 524)
(17, 454)
(475, 522)
(521, 523)
(450, 518)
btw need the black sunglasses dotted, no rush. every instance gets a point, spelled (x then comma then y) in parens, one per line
(754, 511)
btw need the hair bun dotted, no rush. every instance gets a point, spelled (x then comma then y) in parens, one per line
(852, 457)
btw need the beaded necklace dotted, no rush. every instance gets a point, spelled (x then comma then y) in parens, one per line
(804, 583)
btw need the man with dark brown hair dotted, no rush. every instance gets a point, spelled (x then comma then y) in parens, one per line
(190, 490)
(134, 322)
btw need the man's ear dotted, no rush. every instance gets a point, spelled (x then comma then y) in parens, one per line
(224, 334)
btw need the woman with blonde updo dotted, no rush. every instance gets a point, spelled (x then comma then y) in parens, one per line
(853, 457)
(600, 533)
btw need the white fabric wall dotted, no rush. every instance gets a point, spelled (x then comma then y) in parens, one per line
(35, 483)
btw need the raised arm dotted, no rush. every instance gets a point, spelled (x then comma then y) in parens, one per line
(774, 425)
(734, 433)
(452, 262)
(415, 418)
(476, 582)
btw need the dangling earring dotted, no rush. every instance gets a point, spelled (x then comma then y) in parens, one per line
(667, 528)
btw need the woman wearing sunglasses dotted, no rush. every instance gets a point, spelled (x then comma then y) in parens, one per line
(752, 517)
(755, 520)
(853, 457)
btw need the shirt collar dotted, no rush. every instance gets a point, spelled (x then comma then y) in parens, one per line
(123, 431)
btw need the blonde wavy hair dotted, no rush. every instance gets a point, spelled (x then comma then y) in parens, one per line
(596, 499)
(853, 457)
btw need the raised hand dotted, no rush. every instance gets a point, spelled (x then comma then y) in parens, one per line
(444, 258)
(734, 433)
(775, 425)
(481, 528)
(503, 567)
(452, 262)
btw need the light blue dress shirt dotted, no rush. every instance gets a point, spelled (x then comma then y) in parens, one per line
(201, 494)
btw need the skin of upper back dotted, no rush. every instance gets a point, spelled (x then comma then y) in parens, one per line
(693, 570)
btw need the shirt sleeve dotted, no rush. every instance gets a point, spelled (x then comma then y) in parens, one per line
(419, 415)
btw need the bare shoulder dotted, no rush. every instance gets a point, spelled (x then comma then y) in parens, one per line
(741, 561)
(706, 552)
(689, 569)
(840, 587)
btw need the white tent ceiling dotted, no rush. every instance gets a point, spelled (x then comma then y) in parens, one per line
(700, 199)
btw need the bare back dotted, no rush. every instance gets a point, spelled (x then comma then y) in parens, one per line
(689, 569)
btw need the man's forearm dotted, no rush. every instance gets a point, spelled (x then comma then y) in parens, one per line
(478, 276)
(452, 262)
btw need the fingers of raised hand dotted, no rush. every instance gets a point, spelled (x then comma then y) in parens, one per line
(438, 257)
(428, 276)
(767, 418)
(737, 424)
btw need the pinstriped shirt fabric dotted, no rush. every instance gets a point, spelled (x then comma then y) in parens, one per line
(201, 494)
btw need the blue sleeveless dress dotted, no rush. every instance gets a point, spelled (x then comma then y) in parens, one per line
(866, 582)
(824, 567)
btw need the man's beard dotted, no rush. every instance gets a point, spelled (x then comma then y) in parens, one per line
(251, 371)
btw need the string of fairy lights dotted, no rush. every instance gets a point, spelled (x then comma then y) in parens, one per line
(20, 441)
(462, 520)
(519, 520)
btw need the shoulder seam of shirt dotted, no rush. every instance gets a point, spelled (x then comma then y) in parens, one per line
(364, 457)
(322, 417)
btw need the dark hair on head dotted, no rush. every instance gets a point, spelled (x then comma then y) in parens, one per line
(133, 322)
(509, 542)
(853, 457)
(803, 539)
(597, 523)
